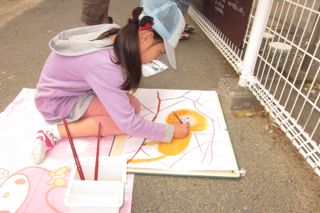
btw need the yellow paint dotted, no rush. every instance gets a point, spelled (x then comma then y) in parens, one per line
(147, 160)
(177, 145)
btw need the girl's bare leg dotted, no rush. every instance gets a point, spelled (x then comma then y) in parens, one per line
(96, 113)
(89, 127)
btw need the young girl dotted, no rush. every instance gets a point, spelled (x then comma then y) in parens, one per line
(88, 77)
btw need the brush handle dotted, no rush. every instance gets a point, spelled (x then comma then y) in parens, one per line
(74, 152)
(96, 169)
(175, 114)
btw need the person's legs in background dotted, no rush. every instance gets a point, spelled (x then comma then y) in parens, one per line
(95, 12)
(184, 6)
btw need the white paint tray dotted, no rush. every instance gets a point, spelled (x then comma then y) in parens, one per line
(104, 195)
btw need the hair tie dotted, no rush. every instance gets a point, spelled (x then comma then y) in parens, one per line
(147, 26)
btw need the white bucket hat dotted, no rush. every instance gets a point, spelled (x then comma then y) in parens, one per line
(168, 23)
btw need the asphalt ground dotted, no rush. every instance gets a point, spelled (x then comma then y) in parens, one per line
(277, 178)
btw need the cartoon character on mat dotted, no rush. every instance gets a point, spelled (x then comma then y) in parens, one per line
(197, 123)
(34, 189)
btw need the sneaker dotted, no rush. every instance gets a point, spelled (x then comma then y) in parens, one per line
(44, 142)
(184, 36)
(189, 28)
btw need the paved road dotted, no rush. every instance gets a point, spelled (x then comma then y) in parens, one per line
(12, 8)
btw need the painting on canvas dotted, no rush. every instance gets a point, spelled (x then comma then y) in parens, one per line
(206, 148)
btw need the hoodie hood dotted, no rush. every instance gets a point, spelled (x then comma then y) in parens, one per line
(81, 40)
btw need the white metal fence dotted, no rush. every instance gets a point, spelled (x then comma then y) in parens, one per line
(282, 43)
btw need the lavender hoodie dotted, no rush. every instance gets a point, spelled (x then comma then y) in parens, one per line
(79, 65)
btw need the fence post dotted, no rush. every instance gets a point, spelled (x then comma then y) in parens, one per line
(255, 39)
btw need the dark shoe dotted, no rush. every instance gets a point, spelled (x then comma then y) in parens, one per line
(110, 20)
(189, 28)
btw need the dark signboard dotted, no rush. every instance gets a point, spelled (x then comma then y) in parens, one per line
(229, 16)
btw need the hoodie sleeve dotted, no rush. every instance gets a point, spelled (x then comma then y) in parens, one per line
(106, 80)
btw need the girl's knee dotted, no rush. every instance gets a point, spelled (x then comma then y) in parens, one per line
(108, 126)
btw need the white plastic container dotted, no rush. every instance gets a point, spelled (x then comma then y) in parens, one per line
(104, 195)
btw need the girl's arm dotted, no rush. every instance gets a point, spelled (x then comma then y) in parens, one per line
(106, 80)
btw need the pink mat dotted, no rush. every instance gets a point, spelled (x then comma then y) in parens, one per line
(25, 187)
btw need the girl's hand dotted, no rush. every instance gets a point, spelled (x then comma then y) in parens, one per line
(181, 130)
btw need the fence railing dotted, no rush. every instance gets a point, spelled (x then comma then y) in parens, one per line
(286, 74)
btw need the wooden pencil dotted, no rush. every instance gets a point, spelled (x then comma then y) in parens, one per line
(96, 169)
(74, 152)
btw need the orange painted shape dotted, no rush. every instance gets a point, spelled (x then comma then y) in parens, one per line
(177, 146)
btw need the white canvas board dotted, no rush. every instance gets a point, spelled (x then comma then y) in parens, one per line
(208, 148)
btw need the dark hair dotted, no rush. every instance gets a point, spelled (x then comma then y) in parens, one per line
(127, 50)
